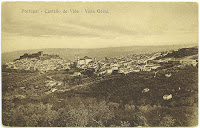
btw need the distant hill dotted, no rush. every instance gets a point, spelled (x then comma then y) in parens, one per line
(99, 53)
(180, 53)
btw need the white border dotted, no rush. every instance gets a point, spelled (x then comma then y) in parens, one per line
(103, 1)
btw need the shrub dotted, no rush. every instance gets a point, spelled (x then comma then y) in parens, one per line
(167, 121)
(125, 124)
(33, 115)
(95, 114)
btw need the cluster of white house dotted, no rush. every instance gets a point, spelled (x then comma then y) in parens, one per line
(40, 65)
(124, 64)
(130, 63)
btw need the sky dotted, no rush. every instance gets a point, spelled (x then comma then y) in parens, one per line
(126, 24)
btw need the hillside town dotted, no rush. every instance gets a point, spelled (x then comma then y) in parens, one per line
(135, 82)
(38, 61)
(124, 64)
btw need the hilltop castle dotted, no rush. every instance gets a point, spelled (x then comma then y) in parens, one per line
(38, 55)
(34, 55)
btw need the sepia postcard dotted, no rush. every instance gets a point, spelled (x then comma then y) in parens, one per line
(99, 64)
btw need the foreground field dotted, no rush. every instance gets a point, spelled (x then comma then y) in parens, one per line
(117, 100)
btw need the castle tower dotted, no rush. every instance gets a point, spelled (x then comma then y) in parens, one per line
(76, 59)
(78, 63)
(40, 53)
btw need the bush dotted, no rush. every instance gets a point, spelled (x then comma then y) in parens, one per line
(167, 121)
(95, 114)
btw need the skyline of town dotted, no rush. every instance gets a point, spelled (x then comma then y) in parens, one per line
(120, 64)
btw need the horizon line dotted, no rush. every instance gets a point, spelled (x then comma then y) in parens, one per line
(194, 45)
